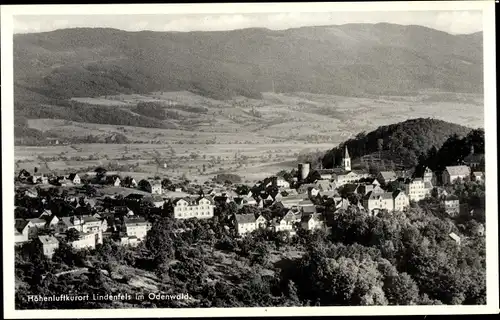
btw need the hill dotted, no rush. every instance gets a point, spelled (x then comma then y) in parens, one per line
(402, 143)
(348, 60)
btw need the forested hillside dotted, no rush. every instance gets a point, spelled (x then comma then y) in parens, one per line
(348, 60)
(407, 141)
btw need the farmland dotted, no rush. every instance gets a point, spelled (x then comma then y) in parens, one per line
(250, 137)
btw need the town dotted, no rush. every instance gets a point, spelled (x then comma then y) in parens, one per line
(285, 203)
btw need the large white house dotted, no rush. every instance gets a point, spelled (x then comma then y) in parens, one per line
(373, 202)
(246, 223)
(137, 228)
(452, 173)
(418, 189)
(190, 207)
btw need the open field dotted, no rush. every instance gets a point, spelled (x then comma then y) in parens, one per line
(278, 117)
(252, 162)
(253, 138)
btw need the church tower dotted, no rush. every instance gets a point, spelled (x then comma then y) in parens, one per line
(347, 160)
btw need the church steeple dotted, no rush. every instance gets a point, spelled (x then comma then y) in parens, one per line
(347, 160)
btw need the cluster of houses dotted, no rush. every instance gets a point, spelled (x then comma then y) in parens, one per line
(297, 196)
(87, 230)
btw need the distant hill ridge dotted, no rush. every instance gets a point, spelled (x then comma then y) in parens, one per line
(351, 59)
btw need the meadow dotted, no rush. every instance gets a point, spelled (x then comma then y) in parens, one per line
(250, 137)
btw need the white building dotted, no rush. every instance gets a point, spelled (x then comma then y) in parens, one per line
(418, 189)
(373, 202)
(401, 200)
(49, 245)
(311, 222)
(246, 223)
(137, 228)
(452, 173)
(86, 240)
(189, 207)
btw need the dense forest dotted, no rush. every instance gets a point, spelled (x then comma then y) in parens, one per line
(404, 142)
(388, 259)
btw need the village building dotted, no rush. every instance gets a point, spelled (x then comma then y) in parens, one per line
(365, 188)
(157, 201)
(417, 189)
(453, 173)
(329, 194)
(282, 183)
(137, 228)
(478, 176)
(49, 245)
(83, 224)
(311, 222)
(247, 223)
(113, 180)
(325, 185)
(31, 193)
(151, 186)
(374, 202)
(452, 205)
(475, 161)
(341, 203)
(50, 221)
(349, 177)
(384, 177)
(85, 241)
(24, 231)
(293, 201)
(42, 179)
(74, 178)
(455, 238)
(429, 176)
(190, 207)
(401, 200)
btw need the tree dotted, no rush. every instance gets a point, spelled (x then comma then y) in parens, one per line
(72, 235)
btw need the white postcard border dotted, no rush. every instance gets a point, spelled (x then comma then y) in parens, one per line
(487, 7)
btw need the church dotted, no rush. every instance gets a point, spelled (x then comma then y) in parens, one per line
(344, 173)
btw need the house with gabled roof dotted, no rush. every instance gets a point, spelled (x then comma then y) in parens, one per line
(384, 177)
(23, 230)
(247, 223)
(311, 222)
(137, 227)
(49, 244)
(201, 207)
(475, 161)
(453, 173)
(150, 185)
(401, 200)
(113, 180)
(374, 202)
(74, 178)
(417, 189)
(293, 200)
(451, 204)
(478, 176)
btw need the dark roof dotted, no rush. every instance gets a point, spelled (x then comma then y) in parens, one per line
(452, 198)
(475, 157)
(72, 176)
(135, 221)
(245, 218)
(20, 224)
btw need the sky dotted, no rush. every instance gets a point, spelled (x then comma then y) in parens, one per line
(454, 22)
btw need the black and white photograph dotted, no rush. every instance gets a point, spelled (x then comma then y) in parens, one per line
(288, 159)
